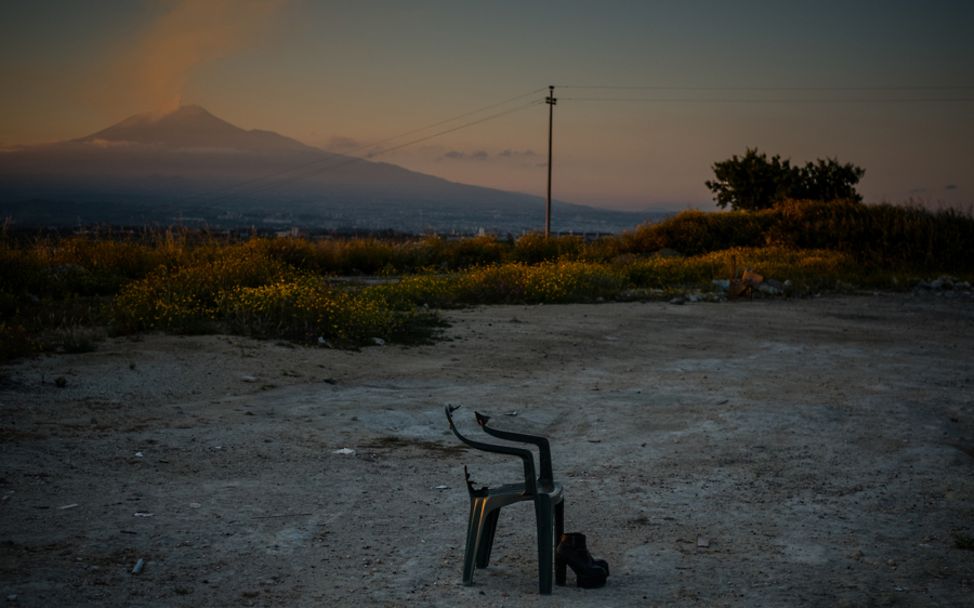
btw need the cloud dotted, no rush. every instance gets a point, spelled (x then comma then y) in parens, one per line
(508, 153)
(154, 73)
(479, 155)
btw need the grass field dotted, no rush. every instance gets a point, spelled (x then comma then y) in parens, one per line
(63, 294)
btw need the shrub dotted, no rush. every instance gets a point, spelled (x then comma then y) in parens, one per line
(364, 256)
(696, 232)
(477, 251)
(294, 252)
(305, 309)
(187, 298)
(534, 248)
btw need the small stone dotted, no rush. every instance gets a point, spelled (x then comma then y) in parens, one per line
(378, 341)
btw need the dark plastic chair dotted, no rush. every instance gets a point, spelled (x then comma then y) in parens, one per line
(486, 503)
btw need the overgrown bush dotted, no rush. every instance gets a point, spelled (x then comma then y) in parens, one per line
(61, 293)
(187, 298)
(305, 309)
(548, 282)
(696, 232)
(534, 248)
(877, 236)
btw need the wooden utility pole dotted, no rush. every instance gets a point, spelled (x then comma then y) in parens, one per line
(551, 101)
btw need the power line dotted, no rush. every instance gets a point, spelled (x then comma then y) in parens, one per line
(457, 128)
(281, 177)
(903, 88)
(731, 100)
(907, 87)
(451, 119)
(352, 160)
(235, 189)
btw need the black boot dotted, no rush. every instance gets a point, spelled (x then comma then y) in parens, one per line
(580, 538)
(572, 552)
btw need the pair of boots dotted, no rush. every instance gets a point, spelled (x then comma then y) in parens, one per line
(571, 551)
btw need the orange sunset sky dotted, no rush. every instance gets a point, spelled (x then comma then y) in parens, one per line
(650, 93)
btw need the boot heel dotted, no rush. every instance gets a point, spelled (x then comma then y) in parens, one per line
(561, 572)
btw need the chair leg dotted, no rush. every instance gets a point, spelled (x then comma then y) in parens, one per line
(487, 538)
(561, 568)
(546, 544)
(475, 526)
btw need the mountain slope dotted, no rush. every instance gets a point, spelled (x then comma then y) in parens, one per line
(190, 163)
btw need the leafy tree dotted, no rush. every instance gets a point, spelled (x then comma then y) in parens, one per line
(751, 181)
(828, 180)
(754, 182)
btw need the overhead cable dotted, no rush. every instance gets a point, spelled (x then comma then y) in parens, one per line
(319, 165)
(311, 169)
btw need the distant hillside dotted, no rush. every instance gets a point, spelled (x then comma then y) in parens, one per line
(188, 166)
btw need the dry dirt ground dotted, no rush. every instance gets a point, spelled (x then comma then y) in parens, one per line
(813, 452)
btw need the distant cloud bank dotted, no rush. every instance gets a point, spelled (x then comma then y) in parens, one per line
(483, 155)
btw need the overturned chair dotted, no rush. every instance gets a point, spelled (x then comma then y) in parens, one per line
(486, 503)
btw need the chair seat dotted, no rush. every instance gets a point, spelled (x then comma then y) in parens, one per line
(552, 489)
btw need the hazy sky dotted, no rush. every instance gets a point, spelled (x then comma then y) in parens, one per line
(888, 85)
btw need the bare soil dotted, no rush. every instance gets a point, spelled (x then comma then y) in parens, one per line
(813, 452)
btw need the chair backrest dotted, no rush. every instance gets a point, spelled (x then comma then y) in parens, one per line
(526, 456)
(544, 448)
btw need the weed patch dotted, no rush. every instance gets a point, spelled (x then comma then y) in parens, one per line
(61, 294)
